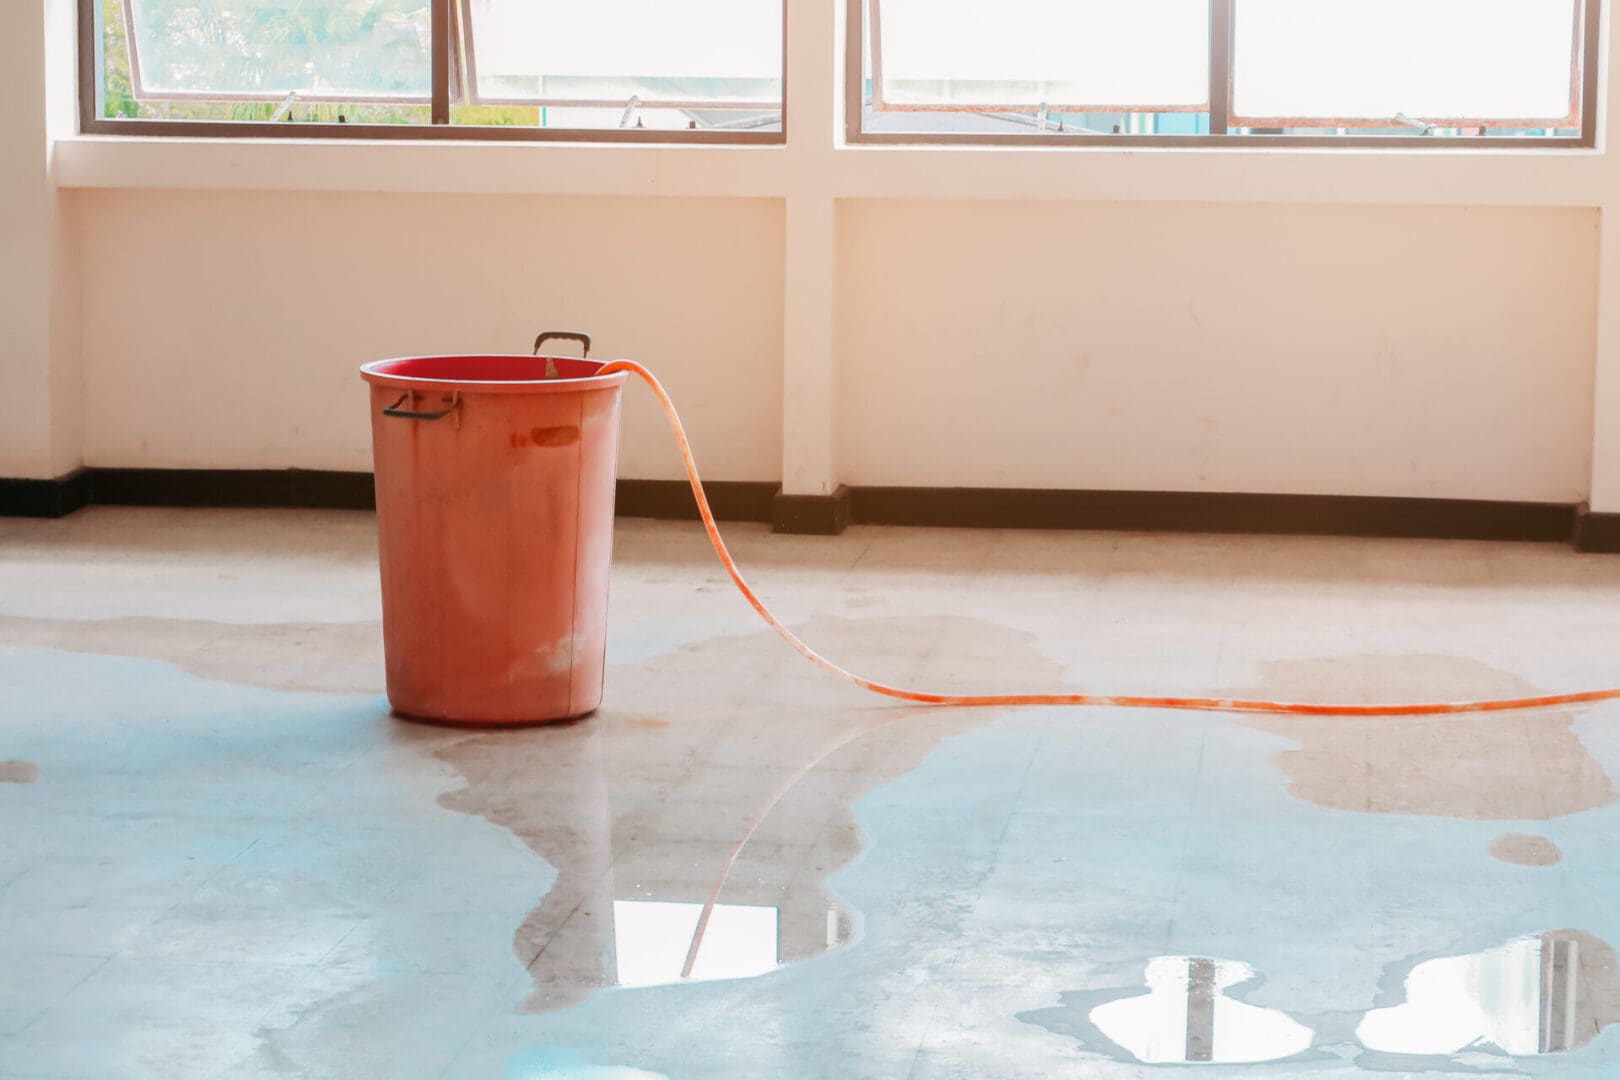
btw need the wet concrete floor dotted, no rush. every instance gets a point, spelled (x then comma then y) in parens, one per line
(223, 858)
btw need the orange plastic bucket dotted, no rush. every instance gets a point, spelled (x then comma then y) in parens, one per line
(495, 479)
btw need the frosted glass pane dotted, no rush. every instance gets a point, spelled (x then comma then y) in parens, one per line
(273, 47)
(711, 49)
(1058, 52)
(1428, 59)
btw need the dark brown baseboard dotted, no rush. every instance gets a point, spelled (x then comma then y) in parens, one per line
(811, 515)
(1596, 532)
(45, 498)
(293, 488)
(1173, 511)
(731, 500)
(330, 490)
(1333, 515)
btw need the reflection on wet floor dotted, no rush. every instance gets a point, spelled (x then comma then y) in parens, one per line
(545, 1063)
(1545, 993)
(638, 818)
(651, 939)
(1542, 994)
(1187, 1017)
(654, 939)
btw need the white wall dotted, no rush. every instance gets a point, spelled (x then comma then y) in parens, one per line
(1406, 323)
(1370, 350)
(25, 222)
(1359, 350)
(40, 381)
(224, 329)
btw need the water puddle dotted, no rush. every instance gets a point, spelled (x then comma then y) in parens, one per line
(1023, 857)
(638, 809)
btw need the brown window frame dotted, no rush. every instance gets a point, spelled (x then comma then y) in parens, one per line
(861, 47)
(454, 82)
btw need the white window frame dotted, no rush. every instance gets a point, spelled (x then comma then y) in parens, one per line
(1226, 128)
(455, 82)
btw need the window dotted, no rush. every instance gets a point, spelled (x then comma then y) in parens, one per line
(1191, 72)
(1037, 62)
(1499, 63)
(706, 70)
(718, 62)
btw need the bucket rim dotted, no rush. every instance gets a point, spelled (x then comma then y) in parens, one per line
(372, 372)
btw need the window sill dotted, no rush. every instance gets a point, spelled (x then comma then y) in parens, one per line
(1503, 176)
(418, 165)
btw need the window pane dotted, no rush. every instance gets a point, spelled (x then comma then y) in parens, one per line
(1062, 53)
(607, 51)
(267, 48)
(1425, 59)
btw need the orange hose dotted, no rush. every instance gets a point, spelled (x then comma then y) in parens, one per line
(1116, 701)
(1230, 705)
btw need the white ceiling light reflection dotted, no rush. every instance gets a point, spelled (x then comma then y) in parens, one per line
(1187, 1017)
(1523, 997)
(651, 938)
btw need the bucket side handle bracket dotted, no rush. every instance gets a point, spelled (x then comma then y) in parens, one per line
(453, 402)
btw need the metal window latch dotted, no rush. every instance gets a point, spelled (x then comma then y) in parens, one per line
(284, 110)
(1423, 125)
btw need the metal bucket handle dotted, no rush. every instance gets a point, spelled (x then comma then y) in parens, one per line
(569, 335)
